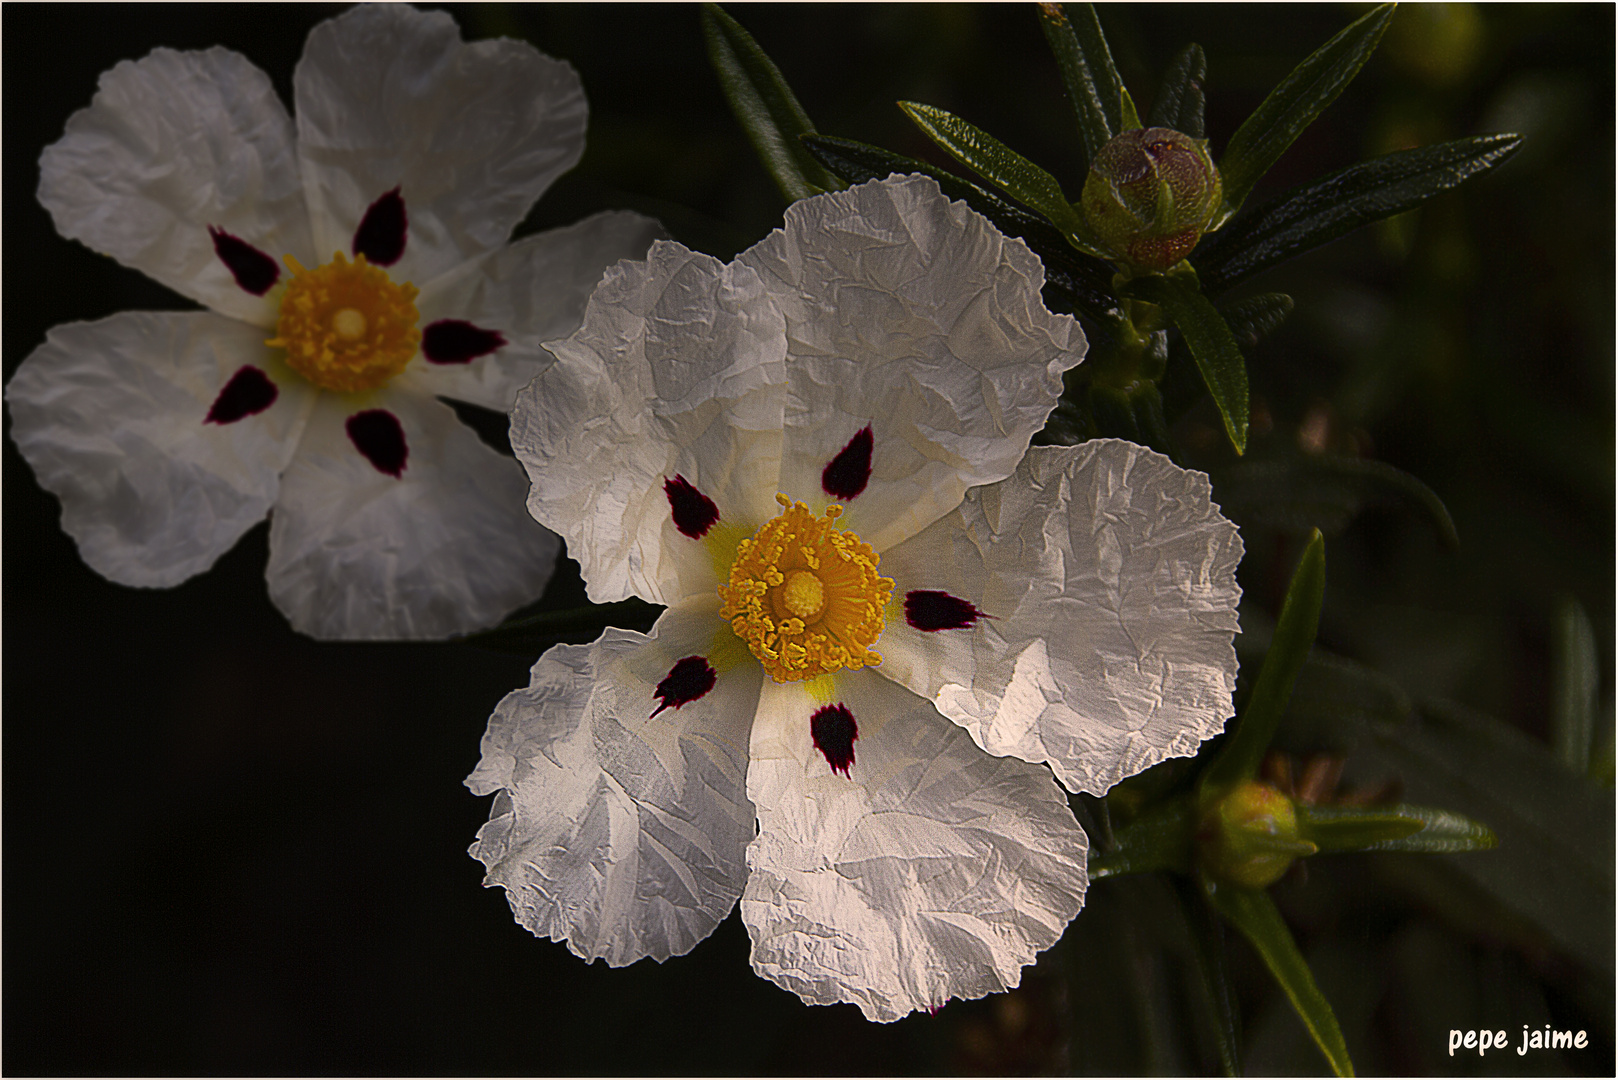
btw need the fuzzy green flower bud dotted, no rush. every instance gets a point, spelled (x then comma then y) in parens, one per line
(1150, 194)
(1249, 836)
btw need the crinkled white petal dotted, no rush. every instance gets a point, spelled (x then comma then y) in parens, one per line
(171, 144)
(445, 548)
(1109, 579)
(616, 831)
(471, 133)
(916, 316)
(110, 415)
(677, 370)
(530, 292)
(931, 871)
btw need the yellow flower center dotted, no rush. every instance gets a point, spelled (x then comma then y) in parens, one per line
(346, 326)
(805, 596)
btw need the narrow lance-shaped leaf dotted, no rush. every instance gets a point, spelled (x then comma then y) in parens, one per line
(1085, 280)
(1005, 168)
(1211, 343)
(1082, 92)
(1294, 104)
(1257, 317)
(1098, 58)
(1324, 491)
(1252, 731)
(1253, 913)
(1392, 828)
(1322, 210)
(1179, 103)
(1207, 940)
(765, 106)
(1573, 689)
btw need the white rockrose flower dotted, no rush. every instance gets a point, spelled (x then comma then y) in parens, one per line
(355, 267)
(886, 615)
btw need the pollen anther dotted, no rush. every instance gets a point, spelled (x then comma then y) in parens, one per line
(346, 326)
(805, 595)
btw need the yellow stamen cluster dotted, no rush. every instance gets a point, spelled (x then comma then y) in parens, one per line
(805, 596)
(345, 325)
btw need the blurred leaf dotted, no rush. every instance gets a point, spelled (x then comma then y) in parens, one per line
(765, 106)
(1573, 686)
(1159, 839)
(1084, 280)
(1392, 828)
(1082, 92)
(1253, 729)
(1256, 317)
(1205, 935)
(1294, 104)
(1554, 865)
(1005, 168)
(532, 634)
(1179, 103)
(1210, 342)
(1253, 913)
(1322, 210)
(1324, 492)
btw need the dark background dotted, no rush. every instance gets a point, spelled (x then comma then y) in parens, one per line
(230, 849)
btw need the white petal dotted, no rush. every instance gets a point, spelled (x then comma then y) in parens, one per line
(620, 832)
(913, 315)
(1110, 581)
(530, 292)
(111, 415)
(931, 871)
(472, 134)
(676, 371)
(170, 145)
(442, 549)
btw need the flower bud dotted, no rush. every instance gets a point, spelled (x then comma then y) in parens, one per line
(1150, 194)
(1249, 836)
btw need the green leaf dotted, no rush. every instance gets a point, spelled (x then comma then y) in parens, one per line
(1323, 491)
(1005, 168)
(1257, 317)
(1393, 828)
(1211, 343)
(1322, 210)
(1179, 103)
(1129, 119)
(1294, 104)
(1573, 687)
(1157, 840)
(1554, 866)
(533, 634)
(1255, 726)
(1085, 281)
(765, 106)
(1205, 935)
(1253, 913)
(1093, 86)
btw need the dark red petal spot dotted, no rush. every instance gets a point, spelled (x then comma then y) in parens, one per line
(849, 472)
(378, 435)
(381, 235)
(694, 513)
(929, 609)
(834, 732)
(456, 341)
(249, 391)
(686, 681)
(253, 270)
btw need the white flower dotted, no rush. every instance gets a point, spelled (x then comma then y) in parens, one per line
(167, 435)
(840, 720)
